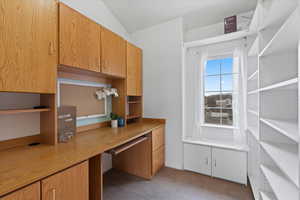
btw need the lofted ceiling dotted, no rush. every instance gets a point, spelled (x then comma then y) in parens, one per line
(139, 14)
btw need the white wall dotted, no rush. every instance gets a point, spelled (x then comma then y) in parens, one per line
(204, 32)
(213, 30)
(162, 63)
(98, 11)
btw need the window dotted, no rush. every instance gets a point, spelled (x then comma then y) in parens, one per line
(218, 89)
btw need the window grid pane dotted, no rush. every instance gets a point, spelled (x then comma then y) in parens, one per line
(218, 110)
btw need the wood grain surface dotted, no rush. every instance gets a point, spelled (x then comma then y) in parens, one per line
(25, 165)
(28, 45)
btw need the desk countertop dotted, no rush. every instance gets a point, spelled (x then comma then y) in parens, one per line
(25, 165)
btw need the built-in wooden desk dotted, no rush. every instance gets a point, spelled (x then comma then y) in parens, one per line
(22, 166)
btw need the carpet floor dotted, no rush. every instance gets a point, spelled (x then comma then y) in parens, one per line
(172, 184)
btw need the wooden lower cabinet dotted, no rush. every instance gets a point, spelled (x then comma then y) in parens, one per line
(158, 159)
(136, 160)
(72, 183)
(158, 138)
(158, 149)
(144, 159)
(31, 192)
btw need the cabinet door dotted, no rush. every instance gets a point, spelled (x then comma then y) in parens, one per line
(230, 165)
(197, 158)
(79, 39)
(158, 138)
(31, 192)
(158, 159)
(28, 46)
(113, 51)
(72, 184)
(136, 160)
(134, 70)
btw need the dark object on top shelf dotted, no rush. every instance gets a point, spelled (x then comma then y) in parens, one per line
(39, 107)
(230, 24)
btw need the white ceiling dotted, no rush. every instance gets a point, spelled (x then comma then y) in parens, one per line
(140, 14)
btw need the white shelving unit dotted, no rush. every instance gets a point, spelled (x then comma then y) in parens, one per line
(267, 196)
(273, 105)
(282, 188)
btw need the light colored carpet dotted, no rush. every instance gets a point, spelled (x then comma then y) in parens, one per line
(171, 184)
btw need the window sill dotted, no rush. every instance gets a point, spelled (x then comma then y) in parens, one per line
(217, 126)
(222, 145)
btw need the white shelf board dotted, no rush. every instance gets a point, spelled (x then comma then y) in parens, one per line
(252, 132)
(253, 112)
(254, 50)
(253, 75)
(289, 84)
(286, 38)
(278, 11)
(218, 39)
(254, 187)
(286, 158)
(267, 196)
(254, 25)
(287, 128)
(281, 187)
(253, 92)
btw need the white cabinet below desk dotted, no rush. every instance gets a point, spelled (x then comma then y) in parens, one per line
(217, 162)
(197, 158)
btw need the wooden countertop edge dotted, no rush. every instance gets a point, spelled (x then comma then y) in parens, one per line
(69, 163)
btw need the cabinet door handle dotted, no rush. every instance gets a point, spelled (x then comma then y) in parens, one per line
(51, 48)
(53, 194)
(215, 163)
(206, 160)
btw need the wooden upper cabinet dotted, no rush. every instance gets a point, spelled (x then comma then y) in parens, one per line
(113, 54)
(134, 70)
(79, 39)
(31, 192)
(72, 184)
(28, 46)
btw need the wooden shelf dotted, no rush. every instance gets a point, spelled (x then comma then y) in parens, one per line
(285, 157)
(289, 84)
(280, 186)
(133, 116)
(287, 128)
(133, 102)
(18, 111)
(286, 37)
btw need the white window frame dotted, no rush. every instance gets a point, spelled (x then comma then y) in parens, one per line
(203, 107)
